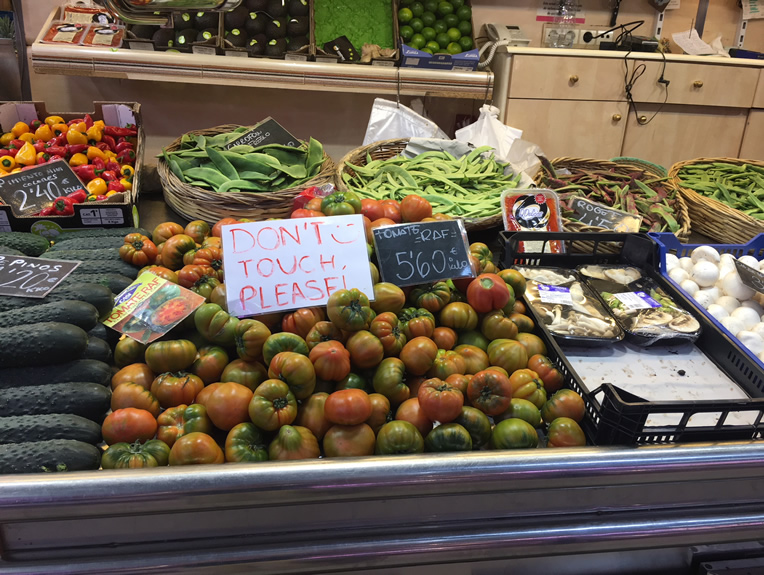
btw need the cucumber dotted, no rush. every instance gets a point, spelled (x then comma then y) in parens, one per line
(79, 313)
(49, 456)
(107, 266)
(117, 283)
(98, 233)
(97, 349)
(87, 244)
(41, 344)
(99, 296)
(28, 244)
(110, 336)
(88, 255)
(88, 400)
(6, 251)
(88, 370)
(23, 428)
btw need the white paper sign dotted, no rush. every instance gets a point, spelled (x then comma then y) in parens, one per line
(691, 43)
(279, 265)
(753, 9)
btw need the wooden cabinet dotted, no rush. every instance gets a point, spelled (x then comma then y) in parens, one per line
(758, 99)
(753, 140)
(563, 78)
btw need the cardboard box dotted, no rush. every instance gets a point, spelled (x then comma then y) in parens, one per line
(104, 214)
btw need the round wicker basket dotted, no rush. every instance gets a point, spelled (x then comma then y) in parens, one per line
(198, 204)
(712, 218)
(384, 150)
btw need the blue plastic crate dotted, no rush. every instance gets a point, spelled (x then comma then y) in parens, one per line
(668, 243)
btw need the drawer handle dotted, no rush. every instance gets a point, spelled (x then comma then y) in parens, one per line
(616, 117)
(643, 119)
(698, 83)
(573, 79)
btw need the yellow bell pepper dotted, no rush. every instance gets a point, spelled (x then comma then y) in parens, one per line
(94, 152)
(127, 171)
(96, 187)
(6, 139)
(110, 193)
(111, 155)
(52, 120)
(75, 137)
(94, 134)
(19, 128)
(80, 127)
(78, 160)
(59, 129)
(101, 124)
(44, 133)
(127, 183)
(7, 163)
(27, 155)
(27, 137)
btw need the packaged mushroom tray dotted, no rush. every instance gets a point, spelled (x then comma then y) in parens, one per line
(568, 308)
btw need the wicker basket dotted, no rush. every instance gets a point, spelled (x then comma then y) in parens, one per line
(712, 218)
(198, 204)
(384, 150)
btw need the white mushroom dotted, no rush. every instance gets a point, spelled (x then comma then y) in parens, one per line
(705, 253)
(704, 273)
(718, 312)
(623, 275)
(750, 261)
(679, 275)
(751, 340)
(686, 264)
(732, 324)
(728, 302)
(747, 316)
(690, 287)
(733, 285)
(671, 262)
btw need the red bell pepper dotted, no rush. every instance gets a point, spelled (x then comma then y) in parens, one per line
(100, 198)
(103, 146)
(56, 150)
(88, 120)
(4, 152)
(55, 158)
(110, 141)
(12, 151)
(78, 196)
(86, 172)
(72, 149)
(39, 146)
(17, 143)
(115, 186)
(49, 211)
(113, 166)
(58, 141)
(126, 157)
(110, 176)
(98, 163)
(122, 146)
(34, 124)
(63, 206)
(116, 132)
(75, 121)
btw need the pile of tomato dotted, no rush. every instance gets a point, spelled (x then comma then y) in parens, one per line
(444, 367)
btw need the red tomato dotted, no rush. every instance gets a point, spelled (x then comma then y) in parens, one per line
(349, 441)
(411, 411)
(301, 321)
(205, 394)
(380, 411)
(217, 228)
(330, 360)
(392, 210)
(194, 449)
(419, 354)
(348, 407)
(311, 415)
(372, 209)
(564, 432)
(139, 373)
(440, 401)
(128, 425)
(173, 389)
(303, 213)
(229, 405)
(131, 394)
(415, 208)
(490, 391)
(460, 382)
(378, 223)
(488, 292)
(564, 403)
(547, 371)
(365, 349)
(314, 204)
(444, 337)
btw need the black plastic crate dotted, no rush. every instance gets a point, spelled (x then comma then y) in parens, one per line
(619, 417)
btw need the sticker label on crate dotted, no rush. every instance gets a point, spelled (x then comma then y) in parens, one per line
(594, 214)
(30, 191)
(102, 216)
(636, 300)
(750, 277)
(555, 294)
(23, 276)
(269, 131)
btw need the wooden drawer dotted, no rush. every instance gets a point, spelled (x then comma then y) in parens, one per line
(753, 142)
(697, 84)
(570, 128)
(560, 77)
(758, 99)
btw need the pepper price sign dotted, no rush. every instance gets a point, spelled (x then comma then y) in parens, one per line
(278, 265)
(30, 190)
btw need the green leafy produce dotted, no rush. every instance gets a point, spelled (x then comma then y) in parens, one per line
(738, 186)
(468, 187)
(363, 22)
(204, 162)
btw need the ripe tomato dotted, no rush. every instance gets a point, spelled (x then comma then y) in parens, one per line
(209, 363)
(411, 411)
(380, 411)
(128, 425)
(173, 389)
(165, 231)
(311, 415)
(564, 432)
(331, 360)
(490, 391)
(514, 434)
(391, 210)
(229, 405)
(348, 407)
(365, 349)
(460, 382)
(459, 316)
(533, 343)
(304, 213)
(205, 394)
(314, 204)
(372, 209)
(444, 338)
(440, 401)
(302, 320)
(508, 354)
(131, 394)
(447, 363)
(416, 322)
(324, 331)
(387, 329)
(248, 373)
(296, 370)
(475, 359)
(547, 371)
(388, 298)
(273, 405)
(415, 208)
(217, 229)
(488, 292)
(419, 354)
(349, 441)
(378, 223)
(293, 442)
(564, 403)
(527, 385)
(139, 373)
(195, 449)
(182, 420)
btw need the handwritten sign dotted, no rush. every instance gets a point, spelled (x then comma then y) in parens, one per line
(269, 131)
(30, 191)
(32, 277)
(411, 254)
(751, 277)
(594, 214)
(288, 264)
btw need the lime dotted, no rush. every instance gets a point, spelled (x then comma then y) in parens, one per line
(433, 46)
(426, 49)
(451, 20)
(464, 13)
(428, 33)
(418, 41)
(465, 27)
(405, 15)
(453, 34)
(417, 9)
(439, 27)
(443, 40)
(457, 4)
(407, 32)
(428, 18)
(454, 48)
(416, 24)
(431, 5)
(466, 43)
(445, 8)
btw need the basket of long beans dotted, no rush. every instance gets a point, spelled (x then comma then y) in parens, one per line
(469, 187)
(725, 197)
(639, 188)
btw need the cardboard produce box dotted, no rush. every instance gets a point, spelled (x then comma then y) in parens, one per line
(118, 211)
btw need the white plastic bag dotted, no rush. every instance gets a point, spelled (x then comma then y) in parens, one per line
(389, 120)
(490, 131)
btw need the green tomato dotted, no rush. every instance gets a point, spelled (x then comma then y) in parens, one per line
(153, 453)
(399, 438)
(246, 443)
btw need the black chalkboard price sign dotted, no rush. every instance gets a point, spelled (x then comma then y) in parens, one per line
(269, 131)
(32, 277)
(29, 191)
(751, 277)
(410, 254)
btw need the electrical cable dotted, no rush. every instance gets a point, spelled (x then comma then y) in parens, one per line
(492, 47)
(636, 73)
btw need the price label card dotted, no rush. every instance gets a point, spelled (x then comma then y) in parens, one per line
(29, 191)
(555, 294)
(636, 300)
(32, 277)
(594, 214)
(269, 131)
(279, 265)
(410, 254)
(751, 277)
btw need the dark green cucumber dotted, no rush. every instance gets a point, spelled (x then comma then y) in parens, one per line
(88, 400)
(99, 296)
(111, 266)
(117, 283)
(107, 334)
(41, 344)
(87, 255)
(48, 456)
(98, 233)
(23, 428)
(79, 313)
(28, 244)
(88, 370)
(6, 251)
(97, 349)
(87, 244)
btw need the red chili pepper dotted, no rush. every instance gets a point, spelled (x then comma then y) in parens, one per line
(34, 124)
(17, 143)
(116, 132)
(110, 141)
(56, 150)
(115, 186)
(88, 120)
(75, 121)
(39, 146)
(49, 211)
(126, 157)
(78, 196)
(72, 149)
(103, 146)
(113, 166)
(86, 172)
(98, 163)
(55, 158)
(122, 146)
(100, 198)
(109, 175)
(4, 152)
(12, 151)
(63, 206)
(58, 141)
